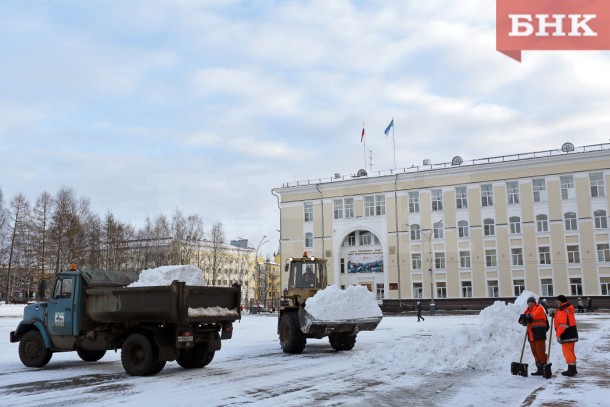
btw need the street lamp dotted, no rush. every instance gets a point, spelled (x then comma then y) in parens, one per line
(431, 269)
(258, 271)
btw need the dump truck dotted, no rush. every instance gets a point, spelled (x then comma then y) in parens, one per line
(93, 311)
(306, 276)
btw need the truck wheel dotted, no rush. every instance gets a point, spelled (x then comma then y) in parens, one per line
(342, 340)
(292, 339)
(137, 356)
(90, 355)
(32, 351)
(209, 358)
(194, 358)
(157, 368)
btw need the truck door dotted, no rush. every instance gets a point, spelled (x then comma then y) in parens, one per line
(61, 306)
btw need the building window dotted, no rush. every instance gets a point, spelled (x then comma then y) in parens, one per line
(515, 225)
(380, 291)
(465, 259)
(540, 193)
(605, 285)
(439, 231)
(512, 189)
(575, 286)
(351, 239)
(542, 223)
(463, 228)
(573, 254)
(567, 187)
(415, 232)
(415, 261)
(439, 260)
(492, 289)
(308, 240)
(342, 265)
(489, 228)
(418, 290)
(467, 289)
(570, 221)
(519, 287)
(487, 195)
(437, 200)
(413, 202)
(597, 184)
(601, 221)
(308, 211)
(368, 239)
(338, 208)
(441, 289)
(348, 204)
(547, 287)
(603, 253)
(374, 205)
(461, 198)
(517, 256)
(490, 258)
(544, 255)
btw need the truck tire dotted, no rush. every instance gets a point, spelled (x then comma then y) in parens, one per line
(90, 355)
(194, 358)
(138, 356)
(158, 367)
(32, 351)
(342, 340)
(208, 360)
(292, 339)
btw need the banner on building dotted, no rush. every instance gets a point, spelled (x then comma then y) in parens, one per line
(363, 261)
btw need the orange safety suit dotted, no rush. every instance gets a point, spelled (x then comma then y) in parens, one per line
(536, 332)
(566, 331)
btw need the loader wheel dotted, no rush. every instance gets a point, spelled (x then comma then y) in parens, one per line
(32, 351)
(138, 356)
(292, 339)
(194, 358)
(342, 340)
(90, 355)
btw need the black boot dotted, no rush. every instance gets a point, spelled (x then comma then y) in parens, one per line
(539, 371)
(571, 371)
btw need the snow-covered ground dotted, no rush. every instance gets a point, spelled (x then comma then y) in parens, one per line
(446, 360)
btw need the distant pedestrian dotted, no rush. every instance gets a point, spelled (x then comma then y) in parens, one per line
(544, 305)
(581, 307)
(566, 332)
(419, 308)
(534, 318)
(589, 304)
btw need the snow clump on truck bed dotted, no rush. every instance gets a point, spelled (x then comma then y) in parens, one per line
(335, 304)
(164, 275)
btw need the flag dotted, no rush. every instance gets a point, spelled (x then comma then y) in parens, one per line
(362, 137)
(387, 129)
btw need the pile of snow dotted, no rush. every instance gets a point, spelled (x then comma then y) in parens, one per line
(212, 312)
(492, 344)
(335, 304)
(164, 275)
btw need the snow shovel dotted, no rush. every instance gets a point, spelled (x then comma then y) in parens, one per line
(546, 370)
(520, 368)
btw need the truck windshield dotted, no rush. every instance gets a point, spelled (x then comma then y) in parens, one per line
(307, 275)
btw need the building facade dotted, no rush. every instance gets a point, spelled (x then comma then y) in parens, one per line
(490, 228)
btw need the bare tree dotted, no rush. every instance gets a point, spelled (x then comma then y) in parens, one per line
(41, 219)
(66, 228)
(216, 253)
(18, 213)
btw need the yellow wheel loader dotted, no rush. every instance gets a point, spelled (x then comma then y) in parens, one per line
(307, 276)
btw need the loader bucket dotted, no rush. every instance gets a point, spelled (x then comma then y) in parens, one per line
(317, 328)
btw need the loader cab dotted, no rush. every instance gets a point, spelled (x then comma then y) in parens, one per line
(306, 275)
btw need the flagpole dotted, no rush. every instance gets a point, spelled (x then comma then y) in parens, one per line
(394, 143)
(364, 149)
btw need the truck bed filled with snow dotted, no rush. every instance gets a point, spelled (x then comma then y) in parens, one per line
(335, 304)
(164, 275)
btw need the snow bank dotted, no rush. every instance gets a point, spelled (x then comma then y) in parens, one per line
(212, 312)
(492, 344)
(164, 275)
(335, 304)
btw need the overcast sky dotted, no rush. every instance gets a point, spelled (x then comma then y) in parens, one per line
(206, 105)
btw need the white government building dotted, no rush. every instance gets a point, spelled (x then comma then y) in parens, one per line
(460, 232)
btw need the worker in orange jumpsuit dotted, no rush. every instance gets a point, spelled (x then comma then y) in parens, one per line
(566, 332)
(534, 317)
